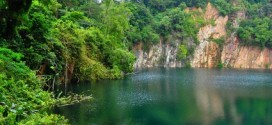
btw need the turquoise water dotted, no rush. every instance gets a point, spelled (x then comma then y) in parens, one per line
(176, 97)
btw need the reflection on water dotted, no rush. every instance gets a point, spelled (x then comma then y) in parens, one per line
(176, 97)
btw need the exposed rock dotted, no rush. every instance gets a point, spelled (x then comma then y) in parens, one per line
(236, 56)
(207, 53)
(160, 55)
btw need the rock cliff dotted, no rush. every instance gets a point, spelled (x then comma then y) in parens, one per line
(207, 53)
(160, 55)
(236, 56)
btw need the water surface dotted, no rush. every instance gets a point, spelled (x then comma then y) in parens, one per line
(176, 97)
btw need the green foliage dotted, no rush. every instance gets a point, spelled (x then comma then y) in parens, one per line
(258, 1)
(92, 70)
(122, 59)
(56, 34)
(157, 6)
(72, 37)
(256, 32)
(21, 91)
(11, 64)
(12, 12)
(78, 18)
(96, 38)
(220, 41)
(94, 48)
(147, 27)
(69, 35)
(220, 65)
(33, 37)
(182, 52)
(141, 21)
(115, 20)
(224, 7)
(149, 37)
(44, 119)
(176, 20)
(141, 15)
(195, 3)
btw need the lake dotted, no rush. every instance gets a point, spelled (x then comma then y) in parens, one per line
(176, 96)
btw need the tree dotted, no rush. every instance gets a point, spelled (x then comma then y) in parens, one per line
(12, 11)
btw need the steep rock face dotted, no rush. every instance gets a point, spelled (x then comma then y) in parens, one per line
(207, 53)
(160, 55)
(236, 56)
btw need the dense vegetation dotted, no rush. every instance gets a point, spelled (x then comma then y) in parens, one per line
(22, 99)
(257, 29)
(86, 40)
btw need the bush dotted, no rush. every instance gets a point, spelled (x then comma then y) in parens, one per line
(21, 91)
(182, 52)
(256, 32)
(91, 70)
(220, 41)
(122, 59)
(44, 119)
(224, 7)
(220, 65)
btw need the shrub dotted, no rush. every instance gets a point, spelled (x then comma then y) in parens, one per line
(182, 52)
(220, 41)
(21, 91)
(220, 65)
